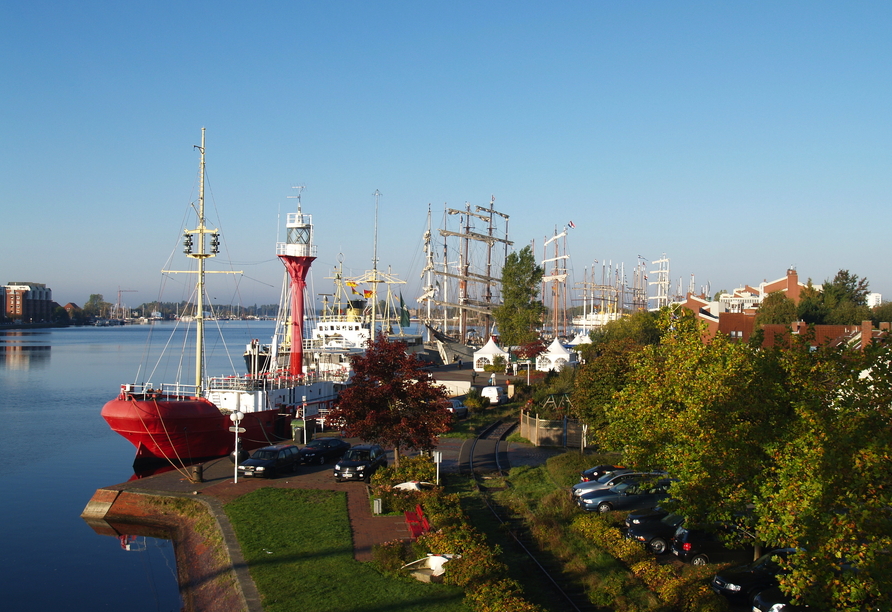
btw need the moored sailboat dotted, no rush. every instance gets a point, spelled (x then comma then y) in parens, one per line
(181, 423)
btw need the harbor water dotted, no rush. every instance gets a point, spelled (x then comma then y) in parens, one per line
(57, 451)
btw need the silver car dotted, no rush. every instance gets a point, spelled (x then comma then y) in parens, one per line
(608, 481)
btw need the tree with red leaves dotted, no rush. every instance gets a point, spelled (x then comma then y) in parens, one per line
(392, 401)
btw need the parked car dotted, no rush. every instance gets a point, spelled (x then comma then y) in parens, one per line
(773, 599)
(322, 450)
(495, 395)
(702, 545)
(270, 461)
(610, 480)
(744, 581)
(656, 535)
(645, 515)
(458, 408)
(360, 462)
(593, 473)
(629, 495)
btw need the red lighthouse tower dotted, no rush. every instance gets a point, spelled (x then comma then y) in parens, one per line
(297, 253)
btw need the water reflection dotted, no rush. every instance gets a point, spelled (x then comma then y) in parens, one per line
(23, 357)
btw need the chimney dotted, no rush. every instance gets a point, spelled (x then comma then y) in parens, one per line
(866, 334)
(793, 285)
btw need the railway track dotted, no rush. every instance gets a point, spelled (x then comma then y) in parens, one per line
(486, 456)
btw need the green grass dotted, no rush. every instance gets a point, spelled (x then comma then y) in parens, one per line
(540, 495)
(299, 549)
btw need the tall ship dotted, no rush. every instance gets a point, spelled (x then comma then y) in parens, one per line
(184, 422)
(463, 288)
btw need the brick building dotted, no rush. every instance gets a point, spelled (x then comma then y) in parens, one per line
(734, 314)
(28, 302)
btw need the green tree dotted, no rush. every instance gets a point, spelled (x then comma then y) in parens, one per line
(707, 411)
(520, 313)
(598, 380)
(96, 306)
(830, 492)
(641, 327)
(776, 308)
(392, 400)
(811, 308)
(881, 314)
(60, 316)
(841, 301)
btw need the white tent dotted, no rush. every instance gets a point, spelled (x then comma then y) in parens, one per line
(556, 357)
(581, 338)
(486, 356)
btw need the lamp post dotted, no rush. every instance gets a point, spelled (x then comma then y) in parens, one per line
(304, 415)
(236, 417)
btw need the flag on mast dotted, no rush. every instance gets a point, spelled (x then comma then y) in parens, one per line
(404, 312)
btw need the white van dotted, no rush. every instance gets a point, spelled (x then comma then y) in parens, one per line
(495, 395)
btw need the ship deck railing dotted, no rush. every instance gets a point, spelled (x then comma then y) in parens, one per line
(271, 382)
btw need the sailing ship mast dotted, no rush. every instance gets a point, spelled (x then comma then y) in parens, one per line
(466, 303)
(198, 253)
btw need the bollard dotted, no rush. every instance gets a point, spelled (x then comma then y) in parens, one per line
(198, 473)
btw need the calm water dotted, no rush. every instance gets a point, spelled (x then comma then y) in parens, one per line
(57, 451)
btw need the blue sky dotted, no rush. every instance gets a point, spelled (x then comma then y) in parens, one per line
(736, 138)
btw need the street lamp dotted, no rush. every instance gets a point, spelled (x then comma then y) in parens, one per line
(236, 417)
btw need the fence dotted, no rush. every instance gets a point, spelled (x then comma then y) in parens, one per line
(565, 432)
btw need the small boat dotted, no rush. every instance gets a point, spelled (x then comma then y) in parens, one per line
(179, 424)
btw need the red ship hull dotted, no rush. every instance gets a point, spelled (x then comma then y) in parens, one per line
(183, 430)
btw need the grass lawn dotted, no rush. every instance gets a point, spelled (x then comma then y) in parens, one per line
(299, 549)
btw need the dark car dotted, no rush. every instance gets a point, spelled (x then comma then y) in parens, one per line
(645, 515)
(702, 545)
(593, 473)
(322, 450)
(629, 495)
(773, 599)
(744, 581)
(270, 461)
(360, 462)
(656, 535)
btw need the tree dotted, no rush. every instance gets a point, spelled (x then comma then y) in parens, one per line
(842, 301)
(60, 316)
(776, 308)
(881, 314)
(604, 373)
(641, 327)
(96, 305)
(520, 313)
(830, 492)
(706, 411)
(392, 400)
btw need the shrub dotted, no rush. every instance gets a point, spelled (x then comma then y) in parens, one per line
(475, 402)
(500, 596)
(685, 591)
(389, 557)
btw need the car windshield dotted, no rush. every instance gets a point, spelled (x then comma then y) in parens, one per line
(672, 519)
(315, 444)
(356, 455)
(606, 478)
(264, 454)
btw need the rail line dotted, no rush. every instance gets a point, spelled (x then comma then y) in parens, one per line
(486, 456)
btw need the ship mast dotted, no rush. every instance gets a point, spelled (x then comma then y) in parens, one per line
(465, 303)
(198, 252)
